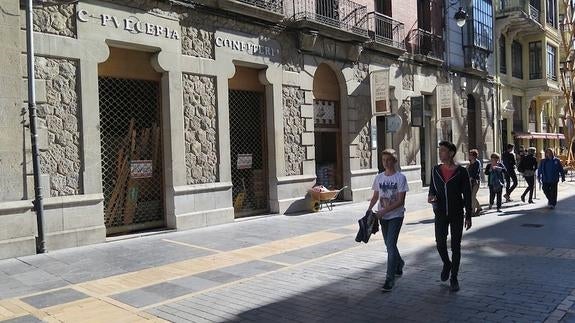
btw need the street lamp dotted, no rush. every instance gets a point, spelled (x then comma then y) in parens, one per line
(460, 17)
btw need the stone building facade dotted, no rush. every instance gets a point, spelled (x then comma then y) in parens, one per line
(223, 81)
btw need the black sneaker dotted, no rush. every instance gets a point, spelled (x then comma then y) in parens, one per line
(399, 271)
(387, 286)
(445, 272)
(454, 285)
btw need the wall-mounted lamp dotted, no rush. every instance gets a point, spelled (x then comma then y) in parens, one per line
(307, 39)
(460, 17)
(354, 52)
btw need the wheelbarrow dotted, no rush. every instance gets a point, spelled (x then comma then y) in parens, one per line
(319, 199)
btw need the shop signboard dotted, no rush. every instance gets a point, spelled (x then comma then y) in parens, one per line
(443, 93)
(380, 92)
(141, 169)
(244, 161)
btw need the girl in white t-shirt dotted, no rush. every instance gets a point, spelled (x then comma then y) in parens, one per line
(389, 188)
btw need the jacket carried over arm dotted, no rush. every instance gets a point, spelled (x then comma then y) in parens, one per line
(453, 196)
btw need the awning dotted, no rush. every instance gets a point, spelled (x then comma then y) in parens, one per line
(539, 135)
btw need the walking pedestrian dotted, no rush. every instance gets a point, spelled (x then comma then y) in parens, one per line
(550, 168)
(528, 166)
(474, 169)
(450, 195)
(389, 188)
(509, 161)
(496, 180)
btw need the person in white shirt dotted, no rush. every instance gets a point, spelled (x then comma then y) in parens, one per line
(389, 189)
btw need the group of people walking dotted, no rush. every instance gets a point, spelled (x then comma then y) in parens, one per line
(501, 174)
(453, 195)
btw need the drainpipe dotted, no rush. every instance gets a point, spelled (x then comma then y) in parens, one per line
(38, 202)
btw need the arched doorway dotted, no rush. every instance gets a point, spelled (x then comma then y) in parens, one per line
(471, 122)
(327, 125)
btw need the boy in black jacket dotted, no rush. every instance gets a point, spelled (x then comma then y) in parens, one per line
(450, 194)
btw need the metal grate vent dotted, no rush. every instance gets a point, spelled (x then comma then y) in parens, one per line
(131, 154)
(247, 142)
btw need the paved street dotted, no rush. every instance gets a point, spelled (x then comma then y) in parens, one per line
(518, 265)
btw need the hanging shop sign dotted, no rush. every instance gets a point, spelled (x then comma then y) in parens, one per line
(393, 122)
(443, 94)
(380, 92)
(417, 111)
(130, 24)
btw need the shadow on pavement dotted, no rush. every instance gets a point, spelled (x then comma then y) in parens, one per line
(505, 276)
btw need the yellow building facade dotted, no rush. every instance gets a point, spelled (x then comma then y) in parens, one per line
(527, 73)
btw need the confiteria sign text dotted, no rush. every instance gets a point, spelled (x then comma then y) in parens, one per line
(130, 24)
(245, 46)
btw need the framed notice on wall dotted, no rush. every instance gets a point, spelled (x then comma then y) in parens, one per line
(417, 111)
(444, 94)
(380, 92)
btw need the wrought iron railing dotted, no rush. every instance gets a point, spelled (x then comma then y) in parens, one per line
(386, 30)
(423, 42)
(341, 14)
(276, 6)
(476, 58)
(506, 6)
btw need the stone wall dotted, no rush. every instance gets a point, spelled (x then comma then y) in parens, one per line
(61, 114)
(56, 19)
(364, 147)
(294, 127)
(200, 129)
(198, 41)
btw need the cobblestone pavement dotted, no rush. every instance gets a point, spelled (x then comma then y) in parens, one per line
(517, 266)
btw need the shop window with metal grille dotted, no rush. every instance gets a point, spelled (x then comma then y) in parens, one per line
(131, 155)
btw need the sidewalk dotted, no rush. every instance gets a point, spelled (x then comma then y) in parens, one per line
(518, 265)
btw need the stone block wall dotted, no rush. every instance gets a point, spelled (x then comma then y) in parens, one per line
(200, 129)
(60, 114)
(294, 127)
(56, 19)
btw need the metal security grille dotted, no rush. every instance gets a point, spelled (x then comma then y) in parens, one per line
(131, 154)
(247, 140)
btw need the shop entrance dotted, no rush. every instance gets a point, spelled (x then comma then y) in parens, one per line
(327, 127)
(248, 143)
(130, 136)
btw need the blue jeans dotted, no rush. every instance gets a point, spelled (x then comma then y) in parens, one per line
(390, 230)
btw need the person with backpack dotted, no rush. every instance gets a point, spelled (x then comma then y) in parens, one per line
(548, 173)
(496, 180)
(528, 166)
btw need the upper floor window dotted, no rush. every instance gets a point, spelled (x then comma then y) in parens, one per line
(535, 56)
(383, 7)
(551, 62)
(517, 59)
(483, 24)
(502, 55)
(424, 15)
(552, 12)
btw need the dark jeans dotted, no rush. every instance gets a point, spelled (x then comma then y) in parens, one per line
(492, 195)
(550, 190)
(510, 175)
(442, 225)
(530, 187)
(390, 230)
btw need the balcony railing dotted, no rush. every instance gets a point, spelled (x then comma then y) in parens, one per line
(276, 6)
(385, 30)
(424, 43)
(341, 14)
(507, 6)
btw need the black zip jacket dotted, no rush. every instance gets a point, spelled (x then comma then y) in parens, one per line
(453, 196)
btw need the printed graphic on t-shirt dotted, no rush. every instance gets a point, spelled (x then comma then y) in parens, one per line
(387, 193)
